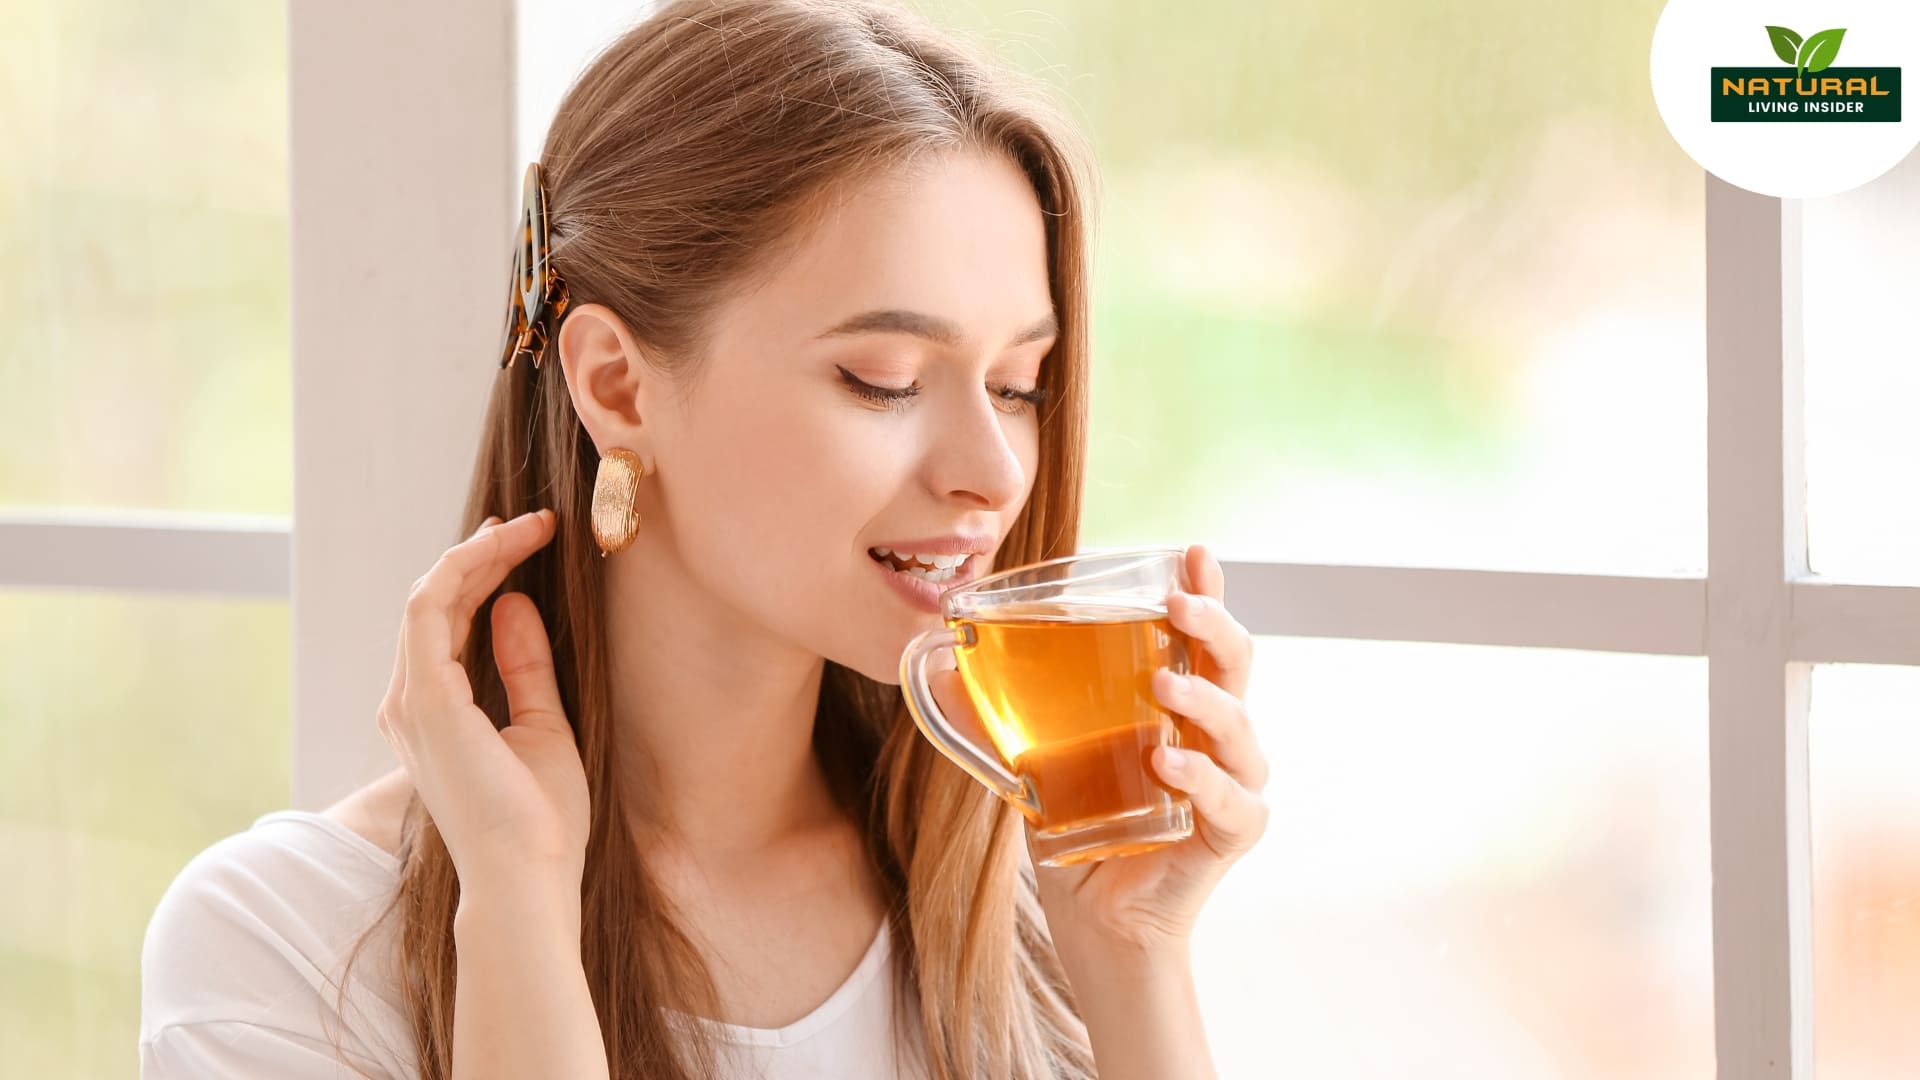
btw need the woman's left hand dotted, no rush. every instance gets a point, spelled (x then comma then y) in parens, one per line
(1148, 903)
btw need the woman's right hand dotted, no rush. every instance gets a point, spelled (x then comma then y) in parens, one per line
(510, 803)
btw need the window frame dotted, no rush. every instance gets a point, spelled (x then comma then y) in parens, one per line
(386, 180)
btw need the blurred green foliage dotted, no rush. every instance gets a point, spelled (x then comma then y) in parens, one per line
(1408, 111)
(138, 730)
(1399, 96)
(144, 210)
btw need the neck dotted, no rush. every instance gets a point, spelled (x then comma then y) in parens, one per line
(713, 716)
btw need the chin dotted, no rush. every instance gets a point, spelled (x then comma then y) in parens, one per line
(882, 667)
(878, 658)
(881, 662)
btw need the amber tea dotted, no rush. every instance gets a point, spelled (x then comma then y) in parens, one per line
(1062, 682)
(1066, 696)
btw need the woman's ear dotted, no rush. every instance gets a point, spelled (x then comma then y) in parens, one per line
(608, 378)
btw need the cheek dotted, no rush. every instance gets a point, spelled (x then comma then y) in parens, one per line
(815, 474)
(786, 491)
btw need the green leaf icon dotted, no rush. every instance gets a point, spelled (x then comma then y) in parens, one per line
(1786, 43)
(1818, 51)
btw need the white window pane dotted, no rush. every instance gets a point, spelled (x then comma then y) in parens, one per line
(1382, 285)
(1864, 786)
(143, 210)
(1482, 862)
(138, 730)
(1863, 379)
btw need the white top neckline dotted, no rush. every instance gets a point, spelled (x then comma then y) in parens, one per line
(871, 964)
(824, 1014)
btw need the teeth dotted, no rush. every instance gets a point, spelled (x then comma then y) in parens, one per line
(931, 575)
(937, 562)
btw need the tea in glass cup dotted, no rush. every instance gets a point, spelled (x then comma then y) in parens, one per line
(1057, 659)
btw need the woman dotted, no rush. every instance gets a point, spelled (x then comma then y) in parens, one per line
(814, 301)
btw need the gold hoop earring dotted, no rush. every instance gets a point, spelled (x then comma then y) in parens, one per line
(616, 518)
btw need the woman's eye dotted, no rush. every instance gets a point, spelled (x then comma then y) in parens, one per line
(1033, 398)
(884, 395)
(893, 397)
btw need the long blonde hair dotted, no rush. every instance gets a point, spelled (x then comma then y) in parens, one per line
(690, 151)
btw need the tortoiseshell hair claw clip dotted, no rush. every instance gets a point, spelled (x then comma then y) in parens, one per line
(536, 298)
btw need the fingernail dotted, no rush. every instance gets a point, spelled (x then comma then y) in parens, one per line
(1176, 682)
(1174, 760)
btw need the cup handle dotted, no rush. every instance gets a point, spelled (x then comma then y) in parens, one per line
(982, 765)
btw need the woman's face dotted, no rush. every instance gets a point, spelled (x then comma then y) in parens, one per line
(780, 474)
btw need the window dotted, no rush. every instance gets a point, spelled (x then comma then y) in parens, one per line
(145, 477)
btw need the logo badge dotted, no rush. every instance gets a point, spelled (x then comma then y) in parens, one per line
(1805, 127)
(1802, 92)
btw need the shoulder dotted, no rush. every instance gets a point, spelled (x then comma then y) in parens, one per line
(376, 812)
(241, 966)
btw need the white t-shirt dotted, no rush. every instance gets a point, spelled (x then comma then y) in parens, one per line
(240, 967)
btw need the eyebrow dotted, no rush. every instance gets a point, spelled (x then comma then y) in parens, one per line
(932, 327)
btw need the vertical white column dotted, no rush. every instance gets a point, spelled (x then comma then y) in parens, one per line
(401, 120)
(1756, 525)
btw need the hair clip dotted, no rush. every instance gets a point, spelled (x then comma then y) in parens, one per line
(536, 297)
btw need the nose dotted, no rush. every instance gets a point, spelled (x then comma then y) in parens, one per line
(976, 454)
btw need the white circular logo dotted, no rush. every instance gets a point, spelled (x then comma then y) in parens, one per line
(1790, 98)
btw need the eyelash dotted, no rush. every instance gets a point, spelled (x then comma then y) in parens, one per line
(893, 399)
